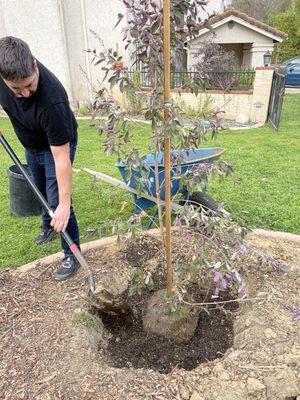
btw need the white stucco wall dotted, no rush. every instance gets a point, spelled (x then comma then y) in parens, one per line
(39, 23)
(213, 6)
(55, 32)
(101, 17)
(237, 34)
(75, 47)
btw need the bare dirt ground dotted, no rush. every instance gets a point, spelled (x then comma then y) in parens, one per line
(52, 346)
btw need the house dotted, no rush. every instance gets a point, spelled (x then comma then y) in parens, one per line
(234, 30)
(58, 32)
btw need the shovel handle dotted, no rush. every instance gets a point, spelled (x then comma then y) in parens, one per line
(73, 247)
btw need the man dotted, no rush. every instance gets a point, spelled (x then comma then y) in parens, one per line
(38, 107)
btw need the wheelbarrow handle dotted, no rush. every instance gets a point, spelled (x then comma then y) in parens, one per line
(73, 247)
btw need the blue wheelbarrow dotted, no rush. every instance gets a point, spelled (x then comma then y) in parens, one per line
(142, 180)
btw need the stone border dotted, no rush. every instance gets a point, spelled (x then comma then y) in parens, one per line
(278, 235)
(85, 247)
(108, 241)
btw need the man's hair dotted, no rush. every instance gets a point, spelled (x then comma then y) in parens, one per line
(16, 60)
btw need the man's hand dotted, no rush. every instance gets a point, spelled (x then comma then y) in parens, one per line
(61, 218)
(63, 169)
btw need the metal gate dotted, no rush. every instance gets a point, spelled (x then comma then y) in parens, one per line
(276, 99)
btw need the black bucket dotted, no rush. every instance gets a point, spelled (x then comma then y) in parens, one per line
(23, 202)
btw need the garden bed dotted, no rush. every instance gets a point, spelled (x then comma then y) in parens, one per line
(55, 345)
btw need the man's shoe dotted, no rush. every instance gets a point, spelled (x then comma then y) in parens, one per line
(45, 236)
(68, 268)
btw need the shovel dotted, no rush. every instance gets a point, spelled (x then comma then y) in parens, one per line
(74, 248)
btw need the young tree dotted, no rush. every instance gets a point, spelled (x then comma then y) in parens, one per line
(143, 32)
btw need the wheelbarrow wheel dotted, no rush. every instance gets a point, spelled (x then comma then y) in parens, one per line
(204, 200)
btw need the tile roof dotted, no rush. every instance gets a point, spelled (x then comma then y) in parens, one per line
(231, 11)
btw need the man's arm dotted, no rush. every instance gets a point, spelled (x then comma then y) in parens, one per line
(63, 169)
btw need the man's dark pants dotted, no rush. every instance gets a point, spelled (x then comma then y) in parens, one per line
(42, 167)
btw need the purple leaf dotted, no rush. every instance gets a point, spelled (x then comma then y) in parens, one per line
(296, 315)
(218, 276)
(223, 283)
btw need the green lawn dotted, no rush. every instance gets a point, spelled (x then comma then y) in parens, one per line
(268, 196)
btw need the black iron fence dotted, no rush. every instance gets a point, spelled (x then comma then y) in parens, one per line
(241, 79)
(276, 98)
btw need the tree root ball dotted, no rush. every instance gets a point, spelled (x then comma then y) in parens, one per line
(157, 319)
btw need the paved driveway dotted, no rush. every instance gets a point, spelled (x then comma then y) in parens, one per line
(292, 90)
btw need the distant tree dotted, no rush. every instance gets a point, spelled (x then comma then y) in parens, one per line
(214, 66)
(261, 10)
(213, 57)
(297, 12)
(289, 23)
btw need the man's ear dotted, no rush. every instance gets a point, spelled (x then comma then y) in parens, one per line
(35, 64)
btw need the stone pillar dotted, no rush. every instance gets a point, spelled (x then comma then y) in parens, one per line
(261, 93)
(257, 53)
(247, 55)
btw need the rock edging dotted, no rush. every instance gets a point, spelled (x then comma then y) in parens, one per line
(85, 247)
(107, 241)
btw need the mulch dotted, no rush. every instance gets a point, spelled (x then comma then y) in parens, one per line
(38, 328)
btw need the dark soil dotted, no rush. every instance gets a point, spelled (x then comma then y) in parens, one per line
(139, 252)
(131, 347)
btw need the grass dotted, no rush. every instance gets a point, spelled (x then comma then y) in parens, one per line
(84, 319)
(268, 196)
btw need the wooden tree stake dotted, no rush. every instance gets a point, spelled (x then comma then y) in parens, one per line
(167, 144)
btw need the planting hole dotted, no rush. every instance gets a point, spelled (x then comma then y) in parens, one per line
(131, 347)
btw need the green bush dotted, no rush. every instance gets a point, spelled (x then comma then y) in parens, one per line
(203, 109)
(136, 102)
(83, 110)
(286, 22)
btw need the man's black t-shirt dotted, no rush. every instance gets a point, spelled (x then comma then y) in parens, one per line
(45, 118)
